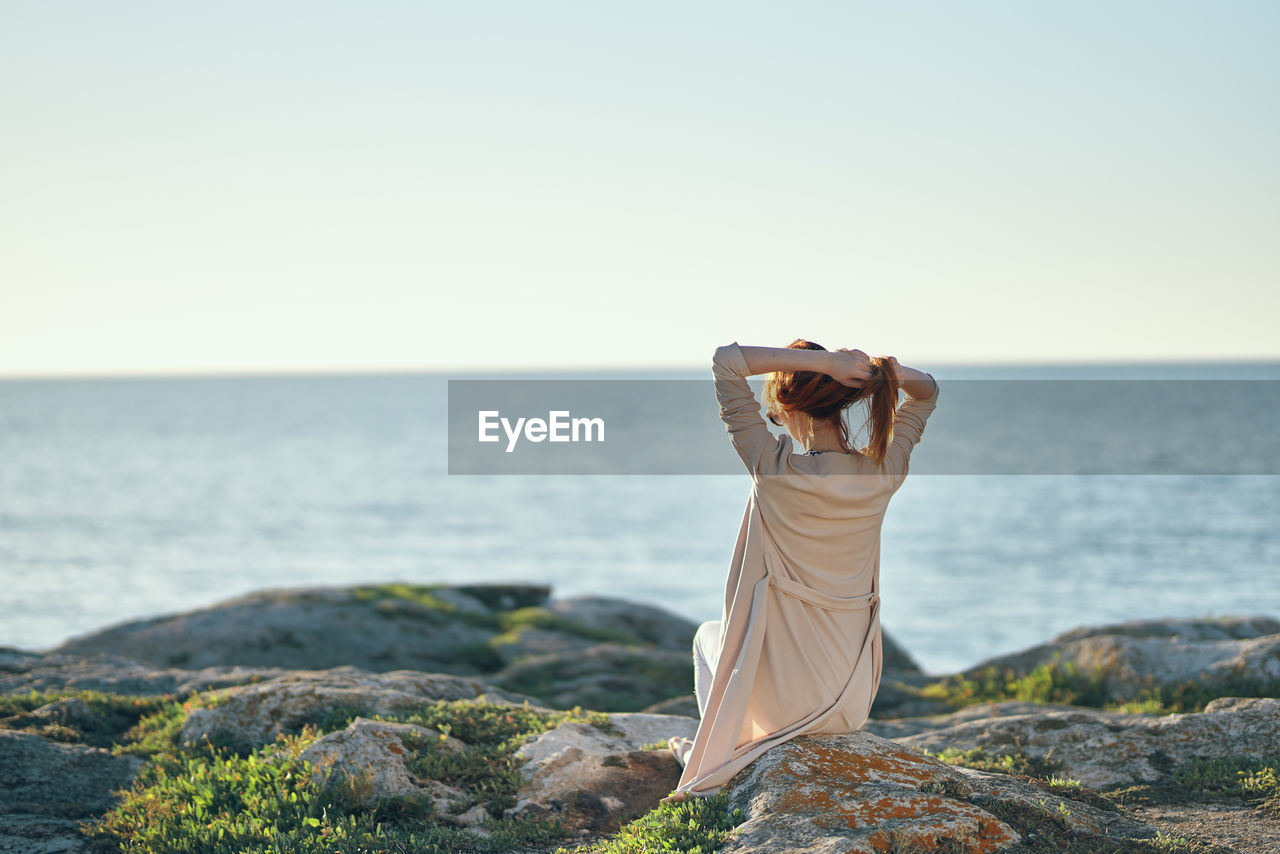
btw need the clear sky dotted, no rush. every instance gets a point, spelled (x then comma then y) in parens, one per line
(280, 186)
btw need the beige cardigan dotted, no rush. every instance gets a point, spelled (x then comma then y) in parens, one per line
(800, 637)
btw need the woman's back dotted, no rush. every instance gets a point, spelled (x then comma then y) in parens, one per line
(800, 645)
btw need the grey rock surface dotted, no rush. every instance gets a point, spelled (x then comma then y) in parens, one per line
(248, 716)
(862, 793)
(606, 677)
(597, 779)
(1103, 749)
(372, 758)
(44, 777)
(49, 788)
(22, 671)
(1214, 653)
(307, 628)
(902, 727)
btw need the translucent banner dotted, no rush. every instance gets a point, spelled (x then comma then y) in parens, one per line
(1034, 427)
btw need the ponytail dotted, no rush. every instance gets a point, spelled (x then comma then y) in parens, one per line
(882, 389)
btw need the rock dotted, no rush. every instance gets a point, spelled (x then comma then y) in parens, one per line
(685, 706)
(642, 624)
(26, 833)
(895, 657)
(901, 727)
(45, 777)
(1102, 749)
(308, 629)
(69, 711)
(606, 677)
(1214, 655)
(528, 641)
(898, 696)
(594, 779)
(1222, 628)
(862, 793)
(473, 817)
(371, 759)
(22, 671)
(248, 716)
(599, 652)
(463, 603)
(505, 597)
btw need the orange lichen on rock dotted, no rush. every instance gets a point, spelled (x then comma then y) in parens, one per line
(901, 766)
(925, 819)
(867, 790)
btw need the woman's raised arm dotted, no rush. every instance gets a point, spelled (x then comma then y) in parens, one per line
(850, 367)
(916, 384)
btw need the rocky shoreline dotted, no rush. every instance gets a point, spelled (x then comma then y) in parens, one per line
(496, 718)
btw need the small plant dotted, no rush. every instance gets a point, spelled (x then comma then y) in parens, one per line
(691, 826)
(1017, 762)
(208, 799)
(1253, 782)
(1063, 783)
(105, 720)
(1054, 681)
(1266, 783)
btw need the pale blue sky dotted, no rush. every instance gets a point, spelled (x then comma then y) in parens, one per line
(277, 186)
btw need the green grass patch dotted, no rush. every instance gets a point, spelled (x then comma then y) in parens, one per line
(209, 799)
(1052, 682)
(506, 622)
(1064, 682)
(1040, 771)
(1251, 782)
(510, 622)
(1015, 762)
(382, 595)
(1193, 696)
(105, 720)
(693, 826)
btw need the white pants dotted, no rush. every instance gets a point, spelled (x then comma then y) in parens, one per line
(706, 652)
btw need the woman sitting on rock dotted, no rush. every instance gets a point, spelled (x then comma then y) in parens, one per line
(797, 649)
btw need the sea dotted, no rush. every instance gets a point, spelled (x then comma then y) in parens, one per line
(129, 498)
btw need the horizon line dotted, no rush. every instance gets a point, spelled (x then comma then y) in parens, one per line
(562, 368)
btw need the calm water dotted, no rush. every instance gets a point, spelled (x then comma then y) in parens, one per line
(122, 499)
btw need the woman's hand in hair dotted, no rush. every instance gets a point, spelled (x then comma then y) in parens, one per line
(850, 367)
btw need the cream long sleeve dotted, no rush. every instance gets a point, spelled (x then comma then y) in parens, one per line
(800, 636)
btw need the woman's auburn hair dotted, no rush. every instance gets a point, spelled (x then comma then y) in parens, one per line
(823, 399)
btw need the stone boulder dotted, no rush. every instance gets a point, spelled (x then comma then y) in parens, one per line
(641, 624)
(525, 642)
(1103, 749)
(685, 706)
(606, 677)
(896, 728)
(248, 716)
(307, 628)
(1216, 655)
(896, 657)
(22, 671)
(50, 787)
(371, 759)
(596, 779)
(593, 651)
(862, 793)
